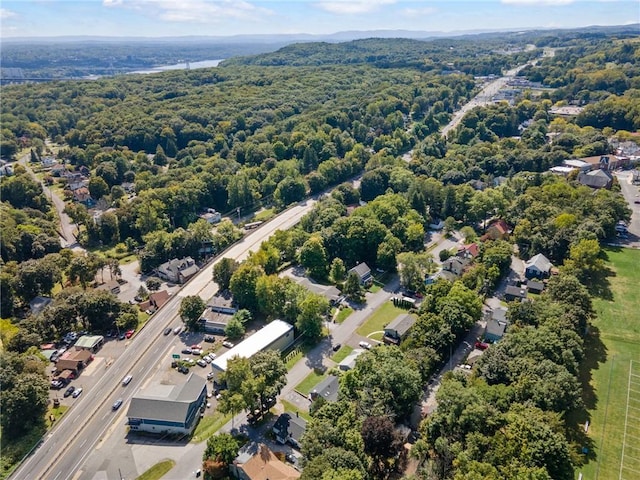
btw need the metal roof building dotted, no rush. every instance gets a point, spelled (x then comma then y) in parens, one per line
(277, 335)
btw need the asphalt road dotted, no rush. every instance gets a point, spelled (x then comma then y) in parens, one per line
(67, 229)
(64, 450)
(483, 98)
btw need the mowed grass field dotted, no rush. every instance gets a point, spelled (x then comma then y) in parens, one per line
(618, 326)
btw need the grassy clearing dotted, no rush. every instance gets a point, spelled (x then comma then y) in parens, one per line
(290, 407)
(618, 328)
(342, 354)
(381, 317)
(57, 413)
(264, 215)
(309, 382)
(344, 314)
(209, 425)
(157, 471)
(143, 317)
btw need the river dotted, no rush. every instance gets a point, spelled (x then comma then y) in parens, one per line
(181, 66)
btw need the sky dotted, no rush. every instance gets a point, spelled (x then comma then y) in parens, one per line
(163, 18)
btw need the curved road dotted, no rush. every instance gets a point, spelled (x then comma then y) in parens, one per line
(63, 451)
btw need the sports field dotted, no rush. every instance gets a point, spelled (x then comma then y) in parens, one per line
(614, 403)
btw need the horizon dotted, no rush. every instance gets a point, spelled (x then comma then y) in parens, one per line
(157, 19)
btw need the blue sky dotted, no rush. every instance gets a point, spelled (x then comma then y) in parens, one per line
(158, 18)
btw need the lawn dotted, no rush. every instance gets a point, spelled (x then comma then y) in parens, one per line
(209, 425)
(381, 317)
(342, 354)
(290, 407)
(309, 382)
(57, 413)
(343, 314)
(264, 215)
(618, 327)
(157, 471)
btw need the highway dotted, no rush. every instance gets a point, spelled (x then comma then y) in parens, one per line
(64, 450)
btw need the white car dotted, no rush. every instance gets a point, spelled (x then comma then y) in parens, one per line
(207, 358)
(202, 363)
(364, 344)
(76, 393)
(228, 344)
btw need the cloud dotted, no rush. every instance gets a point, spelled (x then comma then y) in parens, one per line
(4, 14)
(352, 7)
(201, 11)
(538, 2)
(418, 12)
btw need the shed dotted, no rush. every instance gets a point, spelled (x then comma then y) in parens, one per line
(535, 287)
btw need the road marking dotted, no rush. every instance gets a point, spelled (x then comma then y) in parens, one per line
(59, 473)
(82, 444)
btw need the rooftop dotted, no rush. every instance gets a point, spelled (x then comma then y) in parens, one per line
(166, 402)
(327, 389)
(255, 343)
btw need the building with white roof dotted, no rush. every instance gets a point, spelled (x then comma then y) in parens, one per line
(277, 335)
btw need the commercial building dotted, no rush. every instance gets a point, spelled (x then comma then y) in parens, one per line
(277, 335)
(92, 343)
(168, 409)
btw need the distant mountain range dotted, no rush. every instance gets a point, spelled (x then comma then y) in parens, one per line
(298, 37)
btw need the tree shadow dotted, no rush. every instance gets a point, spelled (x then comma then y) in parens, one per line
(600, 286)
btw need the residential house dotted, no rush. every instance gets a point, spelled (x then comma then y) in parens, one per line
(606, 162)
(258, 462)
(363, 272)
(129, 187)
(48, 162)
(211, 216)
(82, 195)
(327, 389)
(515, 293)
(497, 181)
(398, 329)
(496, 325)
(58, 170)
(289, 428)
(468, 251)
(498, 230)
(178, 270)
(596, 179)
(537, 266)
(155, 301)
(455, 265)
(38, 304)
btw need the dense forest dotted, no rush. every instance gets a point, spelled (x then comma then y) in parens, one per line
(268, 131)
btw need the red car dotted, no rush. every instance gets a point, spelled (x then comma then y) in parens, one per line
(129, 333)
(196, 347)
(481, 345)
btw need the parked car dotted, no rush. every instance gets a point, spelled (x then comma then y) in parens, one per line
(187, 351)
(210, 375)
(228, 344)
(183, 369)
(126, 380)
(365, 345)
(69, 391)
(196, 351)
(116, 405)
(209, 338)
(207, 358)
(167, 330)
(202, 363)
(57, 384)
(129, 333)
(336, 347)
(196, 347)
(122, 336)
(76, 393)
(481, 345)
